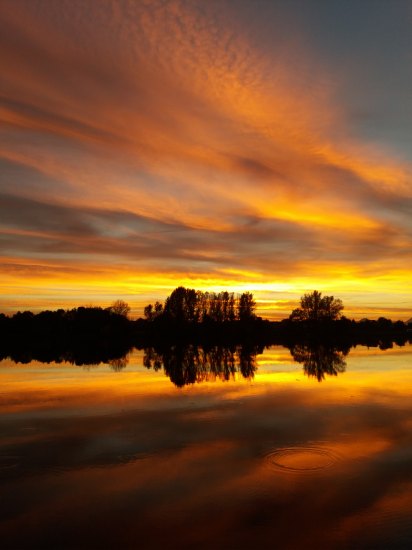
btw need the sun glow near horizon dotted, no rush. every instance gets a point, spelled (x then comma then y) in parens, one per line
(275, 300)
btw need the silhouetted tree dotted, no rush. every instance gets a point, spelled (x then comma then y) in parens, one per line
(181, 304)
(215, 308)
(152, 312)
(202, 307)
(148, 312)
(120, 308)
(315, 308)
(190, 306)
(246, 307)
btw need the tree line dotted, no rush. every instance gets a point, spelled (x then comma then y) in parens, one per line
(189, 316)
(82, 331)
(187, 305)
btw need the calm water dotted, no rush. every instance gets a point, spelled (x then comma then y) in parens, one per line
(256, 454)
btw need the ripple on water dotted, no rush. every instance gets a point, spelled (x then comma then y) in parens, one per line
(302, 459)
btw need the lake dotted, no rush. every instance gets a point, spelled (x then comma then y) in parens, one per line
(209, 449)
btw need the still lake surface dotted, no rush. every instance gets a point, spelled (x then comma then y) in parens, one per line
(117, 456)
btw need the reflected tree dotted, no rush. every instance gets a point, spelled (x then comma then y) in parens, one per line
(152, 359)
(119, 363)
(320, 360)
(180, 365)
(190, 364)
(247, 360)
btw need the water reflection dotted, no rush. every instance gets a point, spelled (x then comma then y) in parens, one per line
(119, 363)
(94, 354)
(92, 460)
(189, 364)
(320, 360)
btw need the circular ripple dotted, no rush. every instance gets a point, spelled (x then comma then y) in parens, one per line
(302, 459)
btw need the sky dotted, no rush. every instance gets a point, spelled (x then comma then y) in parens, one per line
(220, 145)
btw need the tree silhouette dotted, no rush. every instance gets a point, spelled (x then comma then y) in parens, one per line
(186, 305)
(315, 308)
(181, 304)
(152, 312)
(148, 312)
(246, 307)
(120, 308)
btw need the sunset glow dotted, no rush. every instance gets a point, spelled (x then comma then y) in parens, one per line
(261, 146)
